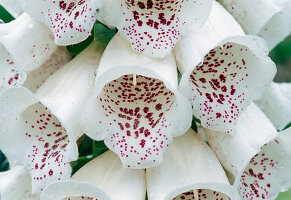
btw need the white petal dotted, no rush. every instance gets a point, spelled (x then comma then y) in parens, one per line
(220, 67)
(257, 156)
(15, 184)
(151, 26)
(276, 104)
(36, 78)
(10, 74)
(189, 166)
(12, 7)
(46, 124)
(71, 21)
(136, 122)
(102, 178)
(271, 19)
(28, 42)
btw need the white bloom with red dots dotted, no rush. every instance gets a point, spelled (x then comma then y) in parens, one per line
(136, 107)
(28, 42)
(70, 20)
(40, 130)
(12, 7)
(102, 178)
(190, 170)
(276, 104)
(270, 19)
(16, 184)
(256, 157)
(154, 26)
(220, 68)
(22, 53)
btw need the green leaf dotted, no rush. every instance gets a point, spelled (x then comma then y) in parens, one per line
(75, 49)
(4, 164)
(85, 148)
(288, 126)
(5, 16)
(82, 160)
(99, 148)
(102, 33)
(284, 195)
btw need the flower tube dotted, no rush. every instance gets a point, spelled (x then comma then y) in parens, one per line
(40, 130)
(12, 7)
(270, 20)
(190, 170)
(36, 78)
(136, 107)
(223, 70)
(276, 104)
(257, 157)
(103, 178)
(71, 21)
(28, 42)
(16, 184)
(151, 26)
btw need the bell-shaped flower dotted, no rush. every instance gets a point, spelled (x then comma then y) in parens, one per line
(12, 7)
(15, 184)
(28, 42)
(270, 20)
(40, 130)
(136, 107)
(223, 70)
(276, 104)
(102, 178)
(256, 157)
(71, 21)
(190, 170)
(151, 26)
(25, 45)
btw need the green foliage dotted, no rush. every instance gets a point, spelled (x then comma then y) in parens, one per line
(75, 49)
(284, 195)
(281, 54)
(4, 165)
(102, 33)
(5, 16)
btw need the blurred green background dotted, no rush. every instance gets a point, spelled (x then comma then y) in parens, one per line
(89, 149)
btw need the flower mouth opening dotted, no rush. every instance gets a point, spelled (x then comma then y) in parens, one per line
(138, 107)
(202, 194)
(219, 86)
(257, 180)
(48, 139)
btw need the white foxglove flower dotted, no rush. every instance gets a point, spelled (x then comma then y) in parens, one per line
(28, 42)
(136, 107)
(15, 184)
(40, 130)
(223, 70)
(151, 26)
(190, 170)
(276, 104)
(12, 7)
(271, 19)
(36, 78)
(257, 157)
(103, 178)
(71, 21)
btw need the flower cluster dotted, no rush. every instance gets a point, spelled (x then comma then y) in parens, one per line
(169, 61)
